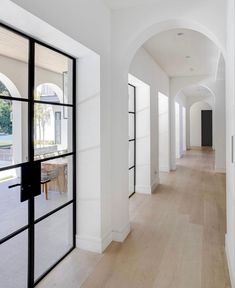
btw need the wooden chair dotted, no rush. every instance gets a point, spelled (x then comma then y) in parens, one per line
(46, 177)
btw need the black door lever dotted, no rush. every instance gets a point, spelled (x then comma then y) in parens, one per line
(30, 181)
(14, 185)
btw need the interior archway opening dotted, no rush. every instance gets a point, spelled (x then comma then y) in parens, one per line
(171, 71)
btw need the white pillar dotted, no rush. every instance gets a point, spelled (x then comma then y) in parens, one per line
(163, 133)
(172, 133)
(188, 127)
(88, 155)
(119, 155)
(220, 127)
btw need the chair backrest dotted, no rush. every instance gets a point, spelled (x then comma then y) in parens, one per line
(44, 175)
(52, 174)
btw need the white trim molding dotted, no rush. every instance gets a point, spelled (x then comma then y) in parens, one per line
(220, 170)
(164, 169)
(120, 236)
(94, 244)
(143, 189)
(155, 184)
(232, 280)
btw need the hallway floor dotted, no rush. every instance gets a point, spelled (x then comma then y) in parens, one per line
(177, 238)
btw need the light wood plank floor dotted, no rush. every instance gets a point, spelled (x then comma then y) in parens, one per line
(177, 238)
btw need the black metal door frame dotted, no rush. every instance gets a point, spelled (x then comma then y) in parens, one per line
(133, 167)
(31, 205)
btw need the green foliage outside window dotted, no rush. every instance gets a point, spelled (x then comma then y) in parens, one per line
(5, 111)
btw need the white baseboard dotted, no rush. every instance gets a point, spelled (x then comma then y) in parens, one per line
(120, 236)
(232, 280)
(143, 189)
(164, 169)
(106, 240)
(98, 245)
(93, 244)
(147, 189)
(155, 184)
(220, 170)
(173, 167)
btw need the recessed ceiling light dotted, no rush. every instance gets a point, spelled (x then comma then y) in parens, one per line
(180, 34)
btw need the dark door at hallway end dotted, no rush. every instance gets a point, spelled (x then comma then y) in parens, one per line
(207, 128)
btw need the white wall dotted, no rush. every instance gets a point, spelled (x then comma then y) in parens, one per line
(181, 100)
(195, 122)
(177, 130)
(164, 139)
(146, 69)
(230, 90)
(219, 131)
(220, 127)
(184, 131)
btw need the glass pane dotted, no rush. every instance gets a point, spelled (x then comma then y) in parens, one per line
(53, 238)
(131, 92)
(131, 181)
(13, 64)
(57, 185)
(13, 132)
(131, 126)
(53, 76)
(13, 262)
(13, 213)
(131, 154)
(52, 131)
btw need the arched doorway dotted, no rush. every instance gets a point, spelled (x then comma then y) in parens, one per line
(125, 55)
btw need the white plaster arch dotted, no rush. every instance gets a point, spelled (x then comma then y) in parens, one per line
(180, 83)
(124, 50)
(140, 37)
(19, 123)
(10, 86)
(55, 88)
(203, 101)
(199, 97)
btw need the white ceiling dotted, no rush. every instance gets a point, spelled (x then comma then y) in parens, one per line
(120, 4)
(170, 51)
(16, 47)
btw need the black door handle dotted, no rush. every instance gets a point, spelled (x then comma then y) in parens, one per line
(30, 181)
(14, 185)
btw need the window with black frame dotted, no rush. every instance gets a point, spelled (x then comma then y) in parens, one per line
(132, 138)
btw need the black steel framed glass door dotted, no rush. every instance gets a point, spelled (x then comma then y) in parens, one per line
(37, 158)
(132, 138)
